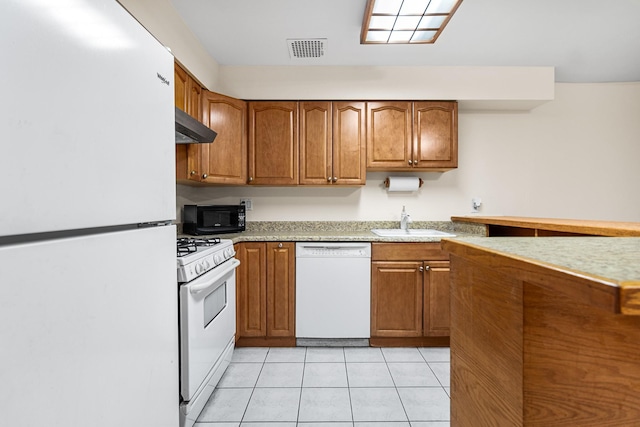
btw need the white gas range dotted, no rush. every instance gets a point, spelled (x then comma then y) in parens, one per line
(207, 293)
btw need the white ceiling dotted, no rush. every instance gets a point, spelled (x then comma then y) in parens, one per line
(585, 40)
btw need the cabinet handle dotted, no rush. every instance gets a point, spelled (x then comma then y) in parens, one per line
(410, 162)
(415, 162)
(328, 179)
(250, 178)
(427, 268)
(279, 245)
(204, 176)
(421, 269)
(193, 172)
(335, 178)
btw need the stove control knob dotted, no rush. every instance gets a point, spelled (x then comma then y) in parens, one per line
(206, 265)
(227, 253)
(217, 259)
(199, 269)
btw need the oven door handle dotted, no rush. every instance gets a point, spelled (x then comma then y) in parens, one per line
(226, 268)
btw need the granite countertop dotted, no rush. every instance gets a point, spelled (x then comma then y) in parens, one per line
(603, 261)
(336, 231)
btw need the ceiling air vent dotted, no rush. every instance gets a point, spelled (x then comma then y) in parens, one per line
(306, 48)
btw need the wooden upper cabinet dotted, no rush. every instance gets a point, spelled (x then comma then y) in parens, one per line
(389, 135)
(412, 135)
(316, 149)
(224, 161)
(187, 98)
(332, 143)
(435, 135)
(273, 143)
(349, 143)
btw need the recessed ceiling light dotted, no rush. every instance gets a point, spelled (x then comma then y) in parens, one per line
(406, 21)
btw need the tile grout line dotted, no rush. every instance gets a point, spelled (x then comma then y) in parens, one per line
(253, 389)
(346, 372)
(395, 386)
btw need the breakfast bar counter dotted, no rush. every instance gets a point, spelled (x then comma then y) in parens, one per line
(545, 332)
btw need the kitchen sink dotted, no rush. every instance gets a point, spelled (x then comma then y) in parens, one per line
(412, 232)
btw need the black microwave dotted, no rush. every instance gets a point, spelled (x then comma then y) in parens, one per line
(198, 220)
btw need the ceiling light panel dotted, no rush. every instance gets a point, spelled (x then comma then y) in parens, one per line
(406, 21)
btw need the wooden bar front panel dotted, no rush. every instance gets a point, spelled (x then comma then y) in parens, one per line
(486, 347)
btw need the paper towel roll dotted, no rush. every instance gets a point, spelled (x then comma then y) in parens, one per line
(403, 183)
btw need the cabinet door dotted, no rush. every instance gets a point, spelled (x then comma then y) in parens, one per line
(273, 143)
(435, 135)
(181, 91)
(280, 289)
(396, 299)
(187, 98)
(349, 143)
(389, 137)
(436, 298)
(315, 143)
(225, 160)
(251, 290)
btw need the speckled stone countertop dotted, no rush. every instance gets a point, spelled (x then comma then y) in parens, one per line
(604, 261)
(356, 231)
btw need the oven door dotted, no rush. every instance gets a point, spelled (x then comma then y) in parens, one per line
(207, 324)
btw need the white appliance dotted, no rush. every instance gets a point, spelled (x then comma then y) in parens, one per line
(207, 276)
(88, 301)
(333, 290)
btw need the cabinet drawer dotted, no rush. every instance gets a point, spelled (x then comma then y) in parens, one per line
(407, 251)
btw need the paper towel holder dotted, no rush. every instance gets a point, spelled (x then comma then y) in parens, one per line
(386, 182)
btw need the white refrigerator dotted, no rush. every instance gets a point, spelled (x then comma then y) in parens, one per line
(88, 291)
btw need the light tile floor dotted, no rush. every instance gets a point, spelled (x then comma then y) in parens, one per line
(332, 387)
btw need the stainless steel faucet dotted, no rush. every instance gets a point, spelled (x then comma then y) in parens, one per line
(405, 219)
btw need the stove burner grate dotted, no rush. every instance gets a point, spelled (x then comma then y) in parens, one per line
(187, 245)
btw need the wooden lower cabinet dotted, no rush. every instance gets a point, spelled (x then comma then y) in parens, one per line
(265, 294)
(409, 294)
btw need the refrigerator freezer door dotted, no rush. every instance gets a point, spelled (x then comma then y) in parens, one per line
(89, 331)
(87, 118)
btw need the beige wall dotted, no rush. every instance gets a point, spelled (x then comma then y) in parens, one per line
(574, 157)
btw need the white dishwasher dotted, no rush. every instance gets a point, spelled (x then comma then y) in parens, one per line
(333, 290)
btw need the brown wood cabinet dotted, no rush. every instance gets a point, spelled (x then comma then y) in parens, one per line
(409, 294)
(188, 98)
(408, 136)
(332, 143)
(225, 160)
(435, 135)
(265, 300)
(273, 143)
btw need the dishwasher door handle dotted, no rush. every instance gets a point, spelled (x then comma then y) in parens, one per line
(333, 247)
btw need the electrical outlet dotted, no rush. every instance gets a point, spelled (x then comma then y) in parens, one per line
(476, 202)
(248, 204)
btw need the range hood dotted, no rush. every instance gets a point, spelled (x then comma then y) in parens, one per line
(190, 130)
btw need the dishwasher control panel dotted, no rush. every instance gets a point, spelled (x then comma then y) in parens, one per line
(328, 249)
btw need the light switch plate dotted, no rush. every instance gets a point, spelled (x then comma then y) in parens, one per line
(248, 204)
